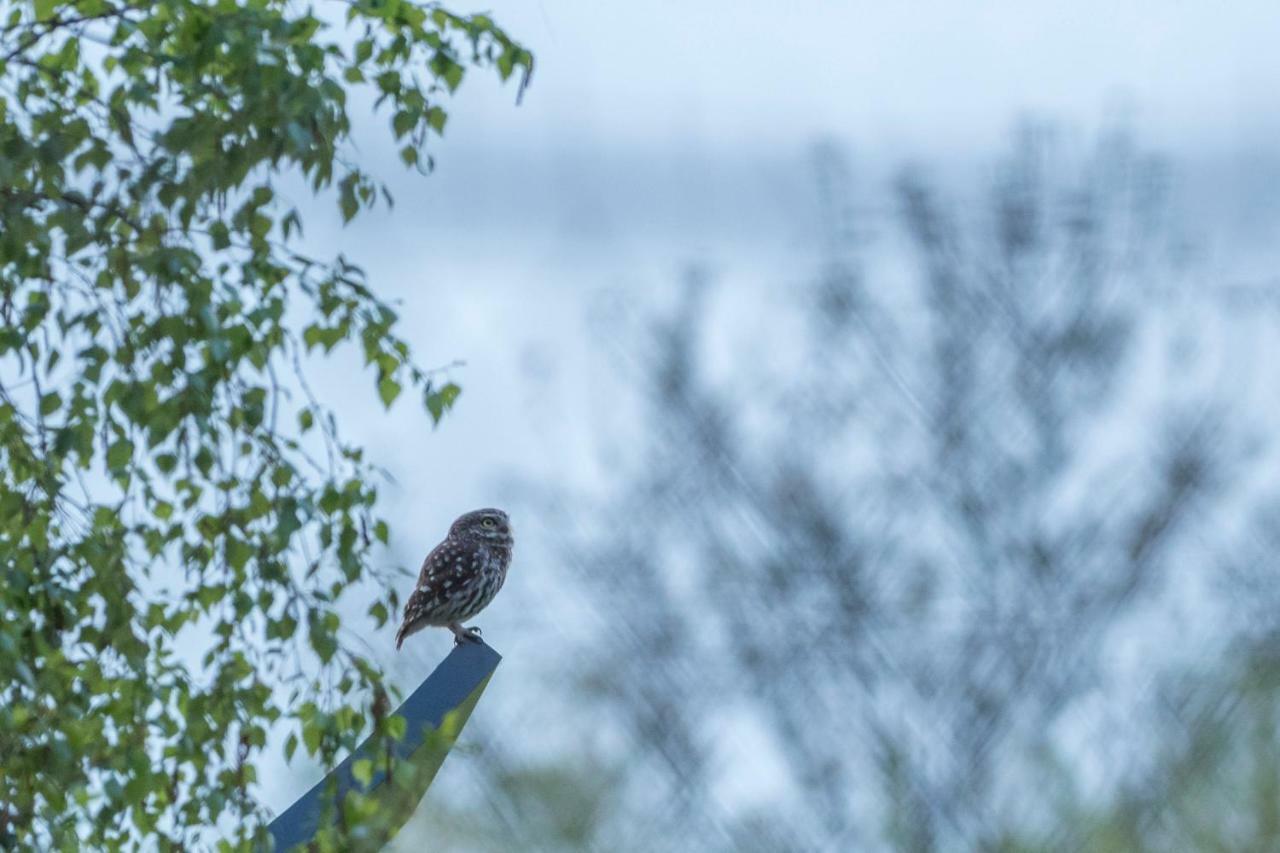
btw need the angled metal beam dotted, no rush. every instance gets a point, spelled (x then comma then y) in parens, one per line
(435, 713)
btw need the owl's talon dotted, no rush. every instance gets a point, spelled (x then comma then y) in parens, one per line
(465, 635)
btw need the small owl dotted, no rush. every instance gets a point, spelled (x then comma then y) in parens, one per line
(460, 576)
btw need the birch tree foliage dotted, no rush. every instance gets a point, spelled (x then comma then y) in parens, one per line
(179, 515)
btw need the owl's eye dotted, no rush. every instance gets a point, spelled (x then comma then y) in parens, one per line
(489, 522)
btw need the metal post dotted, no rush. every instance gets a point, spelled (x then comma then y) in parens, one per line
(435, 713)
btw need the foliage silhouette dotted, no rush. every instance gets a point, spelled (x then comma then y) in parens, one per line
(179, 516)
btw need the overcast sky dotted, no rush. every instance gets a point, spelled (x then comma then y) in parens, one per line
(660, 133)
(925, 76)
(662, 129)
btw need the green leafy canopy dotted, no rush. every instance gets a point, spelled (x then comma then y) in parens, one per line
(164, 470)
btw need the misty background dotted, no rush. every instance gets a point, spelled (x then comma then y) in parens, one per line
(883, 398)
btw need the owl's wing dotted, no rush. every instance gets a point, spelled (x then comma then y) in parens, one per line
(425, 600)
(441, 558)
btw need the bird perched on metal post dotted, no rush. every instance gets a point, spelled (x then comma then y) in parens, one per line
(460, 576)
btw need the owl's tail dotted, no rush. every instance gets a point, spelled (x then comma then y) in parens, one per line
(409, 626)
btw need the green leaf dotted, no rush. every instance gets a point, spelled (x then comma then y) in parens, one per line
(119, 454)
(436, 118)
(219, 235)
(452, 75)
(402, 122)
(311, 735)
(348, 201)
(388, 390)
(440, 401)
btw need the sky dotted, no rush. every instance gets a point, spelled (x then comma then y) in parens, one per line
(660, 134)
(924, 75)
(657, 135)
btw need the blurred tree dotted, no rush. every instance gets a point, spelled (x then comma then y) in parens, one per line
(163, 469)
(890, 557)
(1214, 785)
(534, 807)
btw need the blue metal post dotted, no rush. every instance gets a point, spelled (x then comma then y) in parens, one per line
(460, 677)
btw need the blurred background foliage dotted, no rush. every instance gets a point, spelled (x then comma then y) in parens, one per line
(945, 547)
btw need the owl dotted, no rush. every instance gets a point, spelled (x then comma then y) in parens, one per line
(460, 576)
